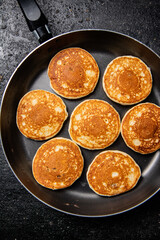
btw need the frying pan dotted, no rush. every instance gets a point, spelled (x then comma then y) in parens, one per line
(31, 74)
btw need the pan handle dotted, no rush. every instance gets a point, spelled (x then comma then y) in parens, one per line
(36, 20)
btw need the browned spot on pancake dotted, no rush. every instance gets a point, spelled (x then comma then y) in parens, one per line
(58, 163)
(112, 173)
(40, 114)
(94, 124)
(127, 80)
(140, 128)
(73, 73)
(146, 127)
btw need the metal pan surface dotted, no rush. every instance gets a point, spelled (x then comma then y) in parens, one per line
(31, 74)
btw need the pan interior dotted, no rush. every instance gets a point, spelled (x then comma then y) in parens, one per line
(31, 74)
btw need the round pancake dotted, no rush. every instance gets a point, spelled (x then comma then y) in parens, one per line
(73, 73)
(127, 80)
(40, 114)
(94, 124)
(140, 128)
(112, 173)
(57, 164)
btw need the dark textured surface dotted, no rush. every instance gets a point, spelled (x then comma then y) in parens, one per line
(21, 215)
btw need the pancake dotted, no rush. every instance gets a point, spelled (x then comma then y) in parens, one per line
(140, 128)
(73, 73)
(57, 164)
(127, 80)
(40, 114)
(94, 124)
(112, 173)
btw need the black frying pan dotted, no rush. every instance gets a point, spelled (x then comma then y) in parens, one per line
(31, 74)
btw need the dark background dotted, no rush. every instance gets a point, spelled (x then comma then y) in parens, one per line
(21, 215)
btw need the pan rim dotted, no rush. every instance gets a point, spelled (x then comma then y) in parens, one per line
(74, 214)
(63, 34)
(2, 101)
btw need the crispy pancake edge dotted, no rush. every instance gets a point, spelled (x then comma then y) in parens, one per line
(80, 155)
(122, 130)
(115, 151)
(70, 121)
(51, 136)
(122, 103)
(81, 96)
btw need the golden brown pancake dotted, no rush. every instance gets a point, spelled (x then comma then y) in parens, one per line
(127, 80)
(94, 124)
(57, 164)
(40, 114)
(112, 173)
(140, 128)
(73, 73)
